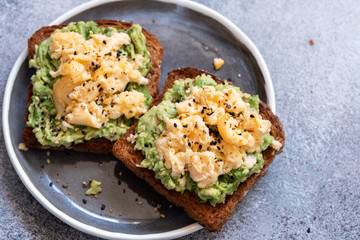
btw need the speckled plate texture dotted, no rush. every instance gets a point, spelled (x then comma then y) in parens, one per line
(126, 204)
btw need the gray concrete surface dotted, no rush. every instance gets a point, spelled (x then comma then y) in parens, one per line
(312, 190)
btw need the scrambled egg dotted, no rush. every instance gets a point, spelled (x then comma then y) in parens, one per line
(218, 63)
(191, 143)
(93, 77)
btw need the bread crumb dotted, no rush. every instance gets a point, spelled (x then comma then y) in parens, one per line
(239, 75)
(58, 180)
(48, 153)
(155, 210)
(48, 161)
(23, 147)
(218, 63)
(95, 196)
(162, 215)
(216, 49)
(132, 138)
(69, 193)
(120, 173)
(311, 42)
(110, 210)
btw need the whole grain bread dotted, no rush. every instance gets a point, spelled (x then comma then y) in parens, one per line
(96, 145)
(212, 218)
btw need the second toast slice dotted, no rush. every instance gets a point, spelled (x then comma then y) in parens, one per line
(211, 217)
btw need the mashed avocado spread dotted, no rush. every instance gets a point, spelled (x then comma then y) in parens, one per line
(152, 126)
(49, 130)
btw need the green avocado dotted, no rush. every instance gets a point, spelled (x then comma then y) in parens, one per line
(42, 110)
(151, 125)
(94, 188)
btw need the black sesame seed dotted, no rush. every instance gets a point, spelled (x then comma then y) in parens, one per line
(219, 140)
(185, 126)
(227, 105)
(184, 136)
(104, 42)
(146, 145)
(119, 182)
(193, 100)
(189, 144)
(103, 124)
(202, 111)
(252, 116)
(218, 148)
(175, 125)
(51, 184)
(240, 134)
(84, 201)
(200, 146)
(103, 206)
(133, 59)
(75, 53)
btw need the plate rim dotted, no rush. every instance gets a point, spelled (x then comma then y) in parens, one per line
(241, 36)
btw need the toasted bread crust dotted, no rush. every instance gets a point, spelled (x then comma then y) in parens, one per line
(212, 218)
(96, 145)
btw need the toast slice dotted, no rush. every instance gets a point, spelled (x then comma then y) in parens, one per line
(212, 218)
(95, 145)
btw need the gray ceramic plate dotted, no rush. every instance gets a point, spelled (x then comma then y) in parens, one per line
(192, 35)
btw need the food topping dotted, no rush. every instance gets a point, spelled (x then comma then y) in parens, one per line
(218, 63)
(93, 76)
(212, 135)
(94, 188)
